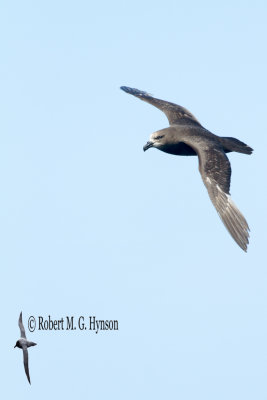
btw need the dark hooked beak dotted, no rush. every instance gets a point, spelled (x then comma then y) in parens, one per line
(15, 345)
(148, 145)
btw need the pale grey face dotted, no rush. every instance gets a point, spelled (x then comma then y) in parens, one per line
(157, 139)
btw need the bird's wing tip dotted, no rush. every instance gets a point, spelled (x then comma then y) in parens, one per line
(133, 91)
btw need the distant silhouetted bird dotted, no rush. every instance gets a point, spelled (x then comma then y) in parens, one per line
(23, 344)
(187, 137)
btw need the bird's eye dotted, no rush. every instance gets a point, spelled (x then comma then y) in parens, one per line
(159, 137)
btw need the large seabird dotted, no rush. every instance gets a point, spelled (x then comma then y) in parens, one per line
(187, 137)
(23, 344)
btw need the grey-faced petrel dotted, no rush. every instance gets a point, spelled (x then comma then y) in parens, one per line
(23, 344)
(187, 137)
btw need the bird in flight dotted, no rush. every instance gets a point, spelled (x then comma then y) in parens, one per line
(23, 344)
(187, 137)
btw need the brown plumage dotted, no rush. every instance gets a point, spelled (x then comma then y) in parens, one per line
(187, 137)
(23, 344)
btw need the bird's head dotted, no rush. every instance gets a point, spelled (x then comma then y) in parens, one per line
(157, 139)
(17, 344)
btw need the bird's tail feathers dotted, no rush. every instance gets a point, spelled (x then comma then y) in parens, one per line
(29, 344)
(232, 144)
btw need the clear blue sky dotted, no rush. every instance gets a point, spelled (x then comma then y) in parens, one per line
(92, 225)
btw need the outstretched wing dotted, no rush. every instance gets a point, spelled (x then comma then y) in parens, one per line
(215, 170)
(21, 327)
(175, 114)
(26, 362)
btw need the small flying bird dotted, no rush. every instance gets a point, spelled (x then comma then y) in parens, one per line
(187, 137)
(23, 344)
